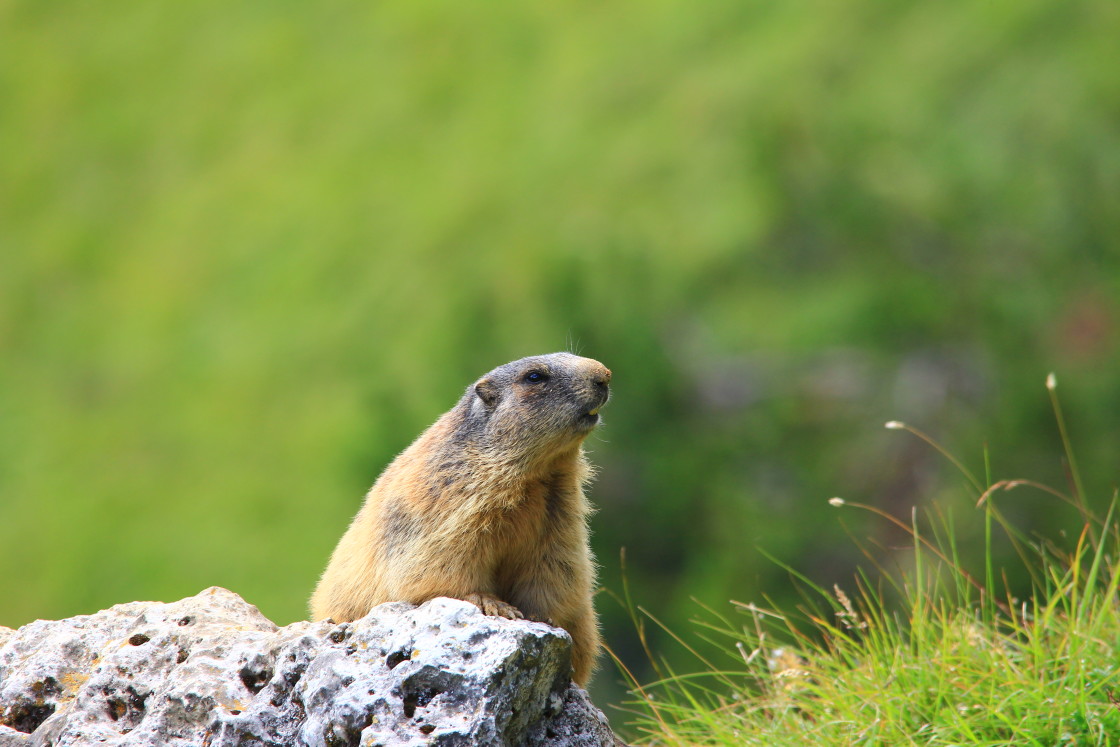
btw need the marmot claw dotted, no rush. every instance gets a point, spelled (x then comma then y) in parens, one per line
(494, 606)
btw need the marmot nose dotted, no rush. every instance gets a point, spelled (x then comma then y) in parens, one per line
(602, 377)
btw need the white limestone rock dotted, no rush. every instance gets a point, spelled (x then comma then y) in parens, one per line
(211, 670)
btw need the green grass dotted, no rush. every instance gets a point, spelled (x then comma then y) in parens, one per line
(926, 651)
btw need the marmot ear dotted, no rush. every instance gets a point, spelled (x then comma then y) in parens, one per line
(487, 391)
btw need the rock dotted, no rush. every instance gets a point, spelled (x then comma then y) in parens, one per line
(212, 670)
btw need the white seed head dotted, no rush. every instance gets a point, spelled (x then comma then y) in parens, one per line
(894, 425)
(836, 502)
(1051, 381)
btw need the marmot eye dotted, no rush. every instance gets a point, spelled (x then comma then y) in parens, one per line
(535, 377)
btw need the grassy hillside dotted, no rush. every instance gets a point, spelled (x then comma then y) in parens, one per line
(927, 651)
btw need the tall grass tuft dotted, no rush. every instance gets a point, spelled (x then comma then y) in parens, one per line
(930, 655)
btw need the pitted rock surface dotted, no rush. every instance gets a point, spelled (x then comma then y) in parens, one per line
(211, 670)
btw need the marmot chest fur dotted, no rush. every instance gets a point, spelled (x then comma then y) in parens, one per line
(487, 505)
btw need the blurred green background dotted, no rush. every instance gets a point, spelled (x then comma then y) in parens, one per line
(249, 250)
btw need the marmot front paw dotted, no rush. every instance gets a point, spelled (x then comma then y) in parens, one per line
(494, 606)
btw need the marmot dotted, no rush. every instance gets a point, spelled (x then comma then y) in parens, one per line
(487, 506)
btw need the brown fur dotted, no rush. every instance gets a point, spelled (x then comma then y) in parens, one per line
(487, 505)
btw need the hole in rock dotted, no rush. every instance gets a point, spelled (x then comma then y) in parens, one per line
(26, 717)
(420, 687)
(255, 679)
(343, 736)
(127, 706)
(395, 658)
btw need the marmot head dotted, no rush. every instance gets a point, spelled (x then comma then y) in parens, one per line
(536, 407)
